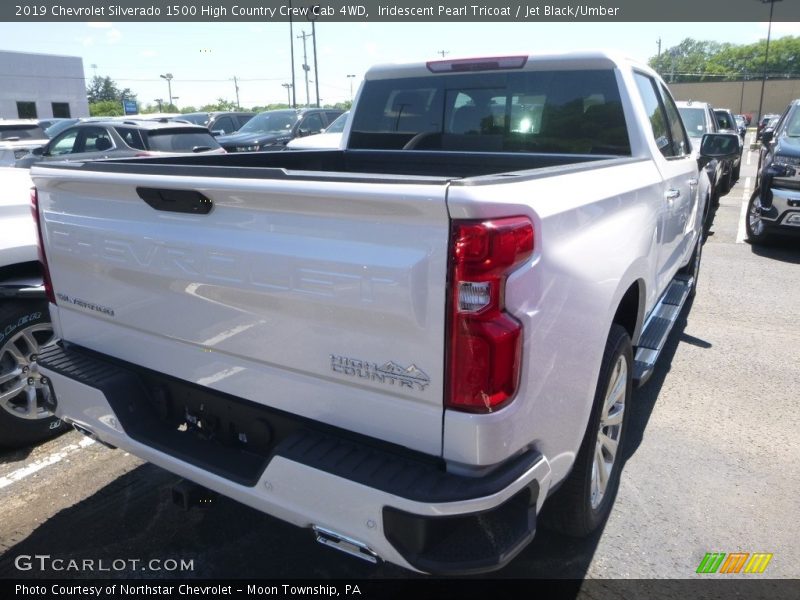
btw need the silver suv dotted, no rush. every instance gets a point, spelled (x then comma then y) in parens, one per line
(699, 119)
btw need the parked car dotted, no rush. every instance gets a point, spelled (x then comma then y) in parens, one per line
(727, 124)
(410, 345)
(774, 207)
(768, 126)
(123, 138)
(329, 139)
(26, 402)
(219, 123)
(763, 122)
(699, 119)
(273, 129)
(21, 136)
(741, 125)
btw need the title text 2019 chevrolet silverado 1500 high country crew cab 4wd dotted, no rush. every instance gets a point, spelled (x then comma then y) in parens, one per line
(406, 345)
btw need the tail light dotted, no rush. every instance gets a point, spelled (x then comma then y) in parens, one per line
(48, 286)
(485, 342)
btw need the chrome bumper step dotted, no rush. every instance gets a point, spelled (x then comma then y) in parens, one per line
(656, 330)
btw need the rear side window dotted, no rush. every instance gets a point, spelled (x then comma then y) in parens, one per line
(132, 137)
(572, 112)
(680, 145)
(170, 140)
(22, 132)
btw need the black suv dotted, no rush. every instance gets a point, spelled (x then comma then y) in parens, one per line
(218, 122)
(271, 130)
(775, 204)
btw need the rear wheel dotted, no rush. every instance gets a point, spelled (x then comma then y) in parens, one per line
(25, 403)
(583, 502)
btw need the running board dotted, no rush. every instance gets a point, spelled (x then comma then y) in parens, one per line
(658, 326)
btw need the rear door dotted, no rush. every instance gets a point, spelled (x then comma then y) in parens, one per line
(679, 172)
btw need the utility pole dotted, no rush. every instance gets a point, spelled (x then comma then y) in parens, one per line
(351, 77)
(443, 52)
(160, 103)
(306, 68)
(288, 87)
(766, 56)
(658, 41)
(316, 73)
(293, 103)
(236, 85)
(169, 78)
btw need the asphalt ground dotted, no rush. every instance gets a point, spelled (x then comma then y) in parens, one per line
(712, 462)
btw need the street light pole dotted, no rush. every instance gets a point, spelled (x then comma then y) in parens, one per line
(293, 103)
(236, 85)
(351, 77)
(168, 77)
(306, 68)
(288, 87)
(766, 55)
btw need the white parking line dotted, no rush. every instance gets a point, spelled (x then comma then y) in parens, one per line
(45, 462)
(742, 233)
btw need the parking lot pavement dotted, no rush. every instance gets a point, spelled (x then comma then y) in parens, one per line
(712, 461)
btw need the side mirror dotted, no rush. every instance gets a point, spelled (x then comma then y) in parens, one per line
(767, 136)
(302, 132)
(38, 151)
(722, 146)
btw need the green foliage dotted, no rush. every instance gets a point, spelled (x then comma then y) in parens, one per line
(106, 108)
(104, 89)
(694, 60)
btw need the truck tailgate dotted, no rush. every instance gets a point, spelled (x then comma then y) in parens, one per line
(325, 299)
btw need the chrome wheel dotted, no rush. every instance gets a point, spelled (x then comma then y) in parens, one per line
(610, 431)
(24, 393)
(754, 218)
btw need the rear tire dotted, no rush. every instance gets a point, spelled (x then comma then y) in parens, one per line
(25, 416)
(583, 502)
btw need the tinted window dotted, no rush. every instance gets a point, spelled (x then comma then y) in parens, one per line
(724, 121)
(338, 125)
(655, 113)
(574, 112)
(95, 139)
(23, 132)
(132, 137)
(26, 110)
(170, 140)
(224, 124)
(312, 124)
(196, 118)
(680, 145)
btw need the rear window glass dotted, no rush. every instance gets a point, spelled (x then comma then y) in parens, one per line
(22, 132)
(197, 119)
(571, 112)
(170, 140)
(694, 119)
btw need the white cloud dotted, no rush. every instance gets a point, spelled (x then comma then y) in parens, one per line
(148, 53)
(86, 41)
(99, 25)
(113, 35)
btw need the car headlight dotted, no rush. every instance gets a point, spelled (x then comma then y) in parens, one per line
(253, 148)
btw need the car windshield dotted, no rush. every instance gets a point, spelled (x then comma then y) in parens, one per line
(270, 122)
(172, 140)
(196, 118)
(694, 120)
(58, 127)
(21, 132)
(792, 128)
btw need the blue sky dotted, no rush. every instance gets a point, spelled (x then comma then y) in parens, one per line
(204, 57)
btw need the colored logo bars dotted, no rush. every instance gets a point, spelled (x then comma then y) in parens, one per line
(736, 562)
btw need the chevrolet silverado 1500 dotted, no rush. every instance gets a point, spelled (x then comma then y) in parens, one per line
(407, 345)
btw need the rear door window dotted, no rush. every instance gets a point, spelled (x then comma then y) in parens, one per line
(132, 137)
(225, 125)
(655, 114)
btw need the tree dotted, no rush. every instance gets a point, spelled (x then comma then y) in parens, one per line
(105, 108)
(693, 60)
(104, 89)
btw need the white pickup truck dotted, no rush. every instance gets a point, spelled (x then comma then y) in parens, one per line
(407, 345)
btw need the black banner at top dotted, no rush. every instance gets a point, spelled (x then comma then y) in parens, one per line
(712, 11)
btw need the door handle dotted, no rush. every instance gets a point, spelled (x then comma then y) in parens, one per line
(672, 194)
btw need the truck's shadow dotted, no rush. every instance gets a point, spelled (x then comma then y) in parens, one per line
(784, 249)
(134, 518)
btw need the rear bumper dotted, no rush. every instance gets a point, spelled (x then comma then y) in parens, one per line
(402, 506)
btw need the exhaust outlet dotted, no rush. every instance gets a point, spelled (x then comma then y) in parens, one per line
(345, 544)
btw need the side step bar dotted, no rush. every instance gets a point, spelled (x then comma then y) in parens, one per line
(658, 326)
